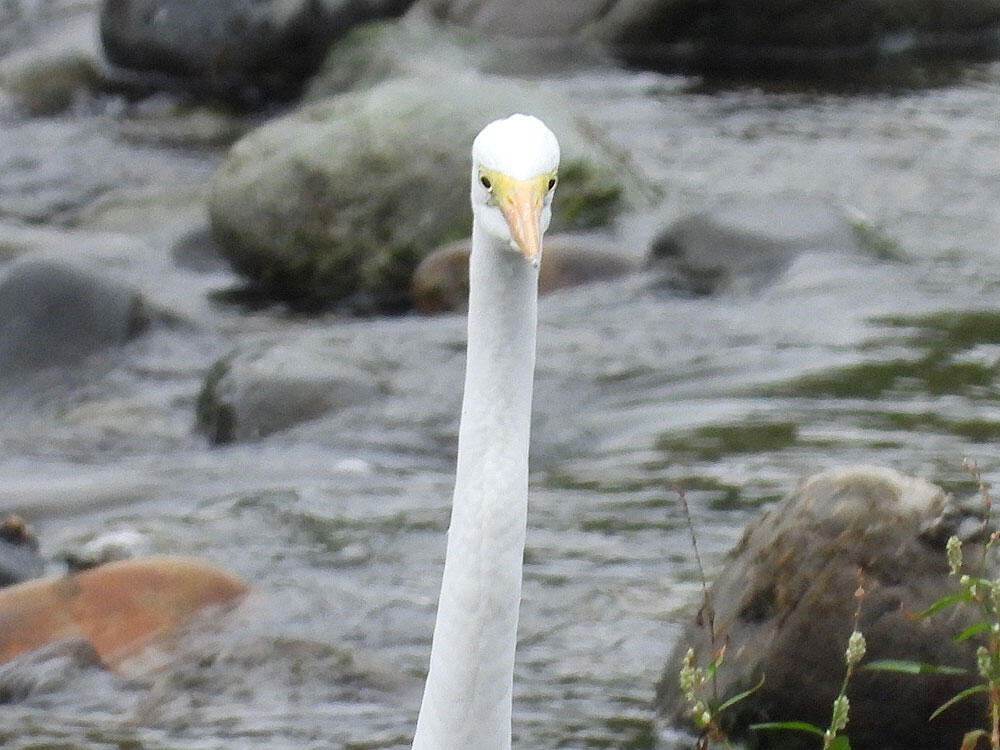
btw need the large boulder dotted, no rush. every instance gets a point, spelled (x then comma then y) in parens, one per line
(53, 314)
(802, 38)
(784, 604)
(340, 200)
(747, 242)
(741, 37)
(240, 49)
(273, 386)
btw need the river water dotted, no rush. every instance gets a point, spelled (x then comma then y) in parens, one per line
(339, 523)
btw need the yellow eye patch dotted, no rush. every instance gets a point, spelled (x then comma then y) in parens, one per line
(521, 202)
(501, 186)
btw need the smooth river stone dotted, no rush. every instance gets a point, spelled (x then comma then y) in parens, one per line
(120, 608)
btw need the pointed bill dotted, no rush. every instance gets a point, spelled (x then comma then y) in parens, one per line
(521, 203)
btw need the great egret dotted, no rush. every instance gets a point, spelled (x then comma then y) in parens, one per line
(467, 698)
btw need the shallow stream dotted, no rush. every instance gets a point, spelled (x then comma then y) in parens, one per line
(339, 523)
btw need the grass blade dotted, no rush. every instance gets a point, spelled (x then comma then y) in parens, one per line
(737, 698)
(797, 726)
(902, 666)
(946, 601)
(959, 697)
(976, 629)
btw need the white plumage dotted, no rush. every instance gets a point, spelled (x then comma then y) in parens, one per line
(467, 698)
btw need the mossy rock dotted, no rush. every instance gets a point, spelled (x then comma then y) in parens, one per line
(339, 201)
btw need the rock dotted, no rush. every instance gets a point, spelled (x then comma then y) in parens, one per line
(46, 668)
(111, 546)
(52, 314)
(410, 47)
(165, 123)
(441, 281)
(19, 558)
(543, 19)
(47, 85)
(243, 50)
(198, 251)
(741, 38)
(120, 608)
(747, 242)
(784, 605)
(339, 201)
(802, 40)
(273, 386)
(49, 75)
(417, 46)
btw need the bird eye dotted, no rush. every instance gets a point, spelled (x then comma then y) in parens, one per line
(552, 183)
(485, 182)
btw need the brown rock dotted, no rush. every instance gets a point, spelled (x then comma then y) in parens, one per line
(120, 608)
(441, 281)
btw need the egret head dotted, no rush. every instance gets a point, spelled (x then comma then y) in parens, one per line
(514, 164)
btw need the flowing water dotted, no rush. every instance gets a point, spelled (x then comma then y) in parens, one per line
(339, 523)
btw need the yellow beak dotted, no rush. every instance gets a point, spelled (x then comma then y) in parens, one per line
(521, 203)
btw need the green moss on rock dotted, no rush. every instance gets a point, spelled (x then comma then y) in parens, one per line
(343, 198)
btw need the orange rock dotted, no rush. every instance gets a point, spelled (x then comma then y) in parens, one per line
(120, 607)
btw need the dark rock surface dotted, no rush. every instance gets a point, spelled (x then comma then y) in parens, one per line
(239, 49)
(19, 558)
(741, 38)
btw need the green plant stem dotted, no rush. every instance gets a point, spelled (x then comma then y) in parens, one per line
(988, 609)
(706, 607)
(995, 716)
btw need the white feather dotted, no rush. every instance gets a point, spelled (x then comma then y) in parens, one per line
(467, 698)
